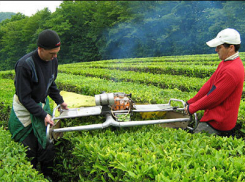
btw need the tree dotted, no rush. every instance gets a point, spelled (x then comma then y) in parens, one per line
(33, 27)
(71, 23)
(11, 48)
(95, 30)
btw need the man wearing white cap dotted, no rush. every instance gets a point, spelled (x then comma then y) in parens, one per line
(220, 96)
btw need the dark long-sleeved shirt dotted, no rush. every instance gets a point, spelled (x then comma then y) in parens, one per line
(220, 96)
(34, 82)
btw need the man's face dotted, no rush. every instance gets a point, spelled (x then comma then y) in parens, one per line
(224, 52)
(48, 55)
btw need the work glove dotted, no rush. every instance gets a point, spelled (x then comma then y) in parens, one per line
(187, 109)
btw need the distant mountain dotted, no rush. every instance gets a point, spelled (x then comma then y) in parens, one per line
(5, 15)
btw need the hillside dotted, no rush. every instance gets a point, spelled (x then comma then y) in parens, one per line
(5, 15)
(102, 30)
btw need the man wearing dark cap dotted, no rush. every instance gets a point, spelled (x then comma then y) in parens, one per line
(35, 75)
(220, 96)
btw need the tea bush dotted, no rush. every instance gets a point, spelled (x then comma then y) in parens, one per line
(14, 165)
(147, 153)
(6, 95)
(152, 153)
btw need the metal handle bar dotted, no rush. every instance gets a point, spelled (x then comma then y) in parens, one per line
(195, 122)
(57, 107)
(178, 100)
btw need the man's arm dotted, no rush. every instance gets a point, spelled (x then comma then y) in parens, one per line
(204, 90)
(54, 94)
(221, 89)
(201, 93)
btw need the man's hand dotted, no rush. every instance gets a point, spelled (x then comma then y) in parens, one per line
(48, 120)
(64, 106)
(186, 110)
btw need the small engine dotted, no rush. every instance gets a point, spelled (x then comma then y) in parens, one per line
(122, 101)
(117, 101)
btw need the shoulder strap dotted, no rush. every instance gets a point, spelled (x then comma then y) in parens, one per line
(31, 64)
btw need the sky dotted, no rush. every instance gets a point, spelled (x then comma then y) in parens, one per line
(28, 8)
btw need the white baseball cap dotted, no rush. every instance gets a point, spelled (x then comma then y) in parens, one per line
(228, 35)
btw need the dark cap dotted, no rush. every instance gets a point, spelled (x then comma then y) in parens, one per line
(48, 39)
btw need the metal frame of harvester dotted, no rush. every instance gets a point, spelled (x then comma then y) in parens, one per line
(115, 105)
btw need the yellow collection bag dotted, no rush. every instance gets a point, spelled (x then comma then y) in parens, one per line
(75, 100)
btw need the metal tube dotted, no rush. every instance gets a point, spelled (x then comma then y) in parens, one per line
(160, 121)
(177, 101)
(159, 110)
(111, 122)
(53, 116)
(79, 128)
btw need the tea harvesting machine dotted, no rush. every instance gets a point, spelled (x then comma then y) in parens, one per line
(118, 109)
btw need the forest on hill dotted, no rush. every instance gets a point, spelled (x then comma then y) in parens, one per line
(5, 15)
(99, 30)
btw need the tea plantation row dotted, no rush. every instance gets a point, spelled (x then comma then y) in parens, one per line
(148, 153)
